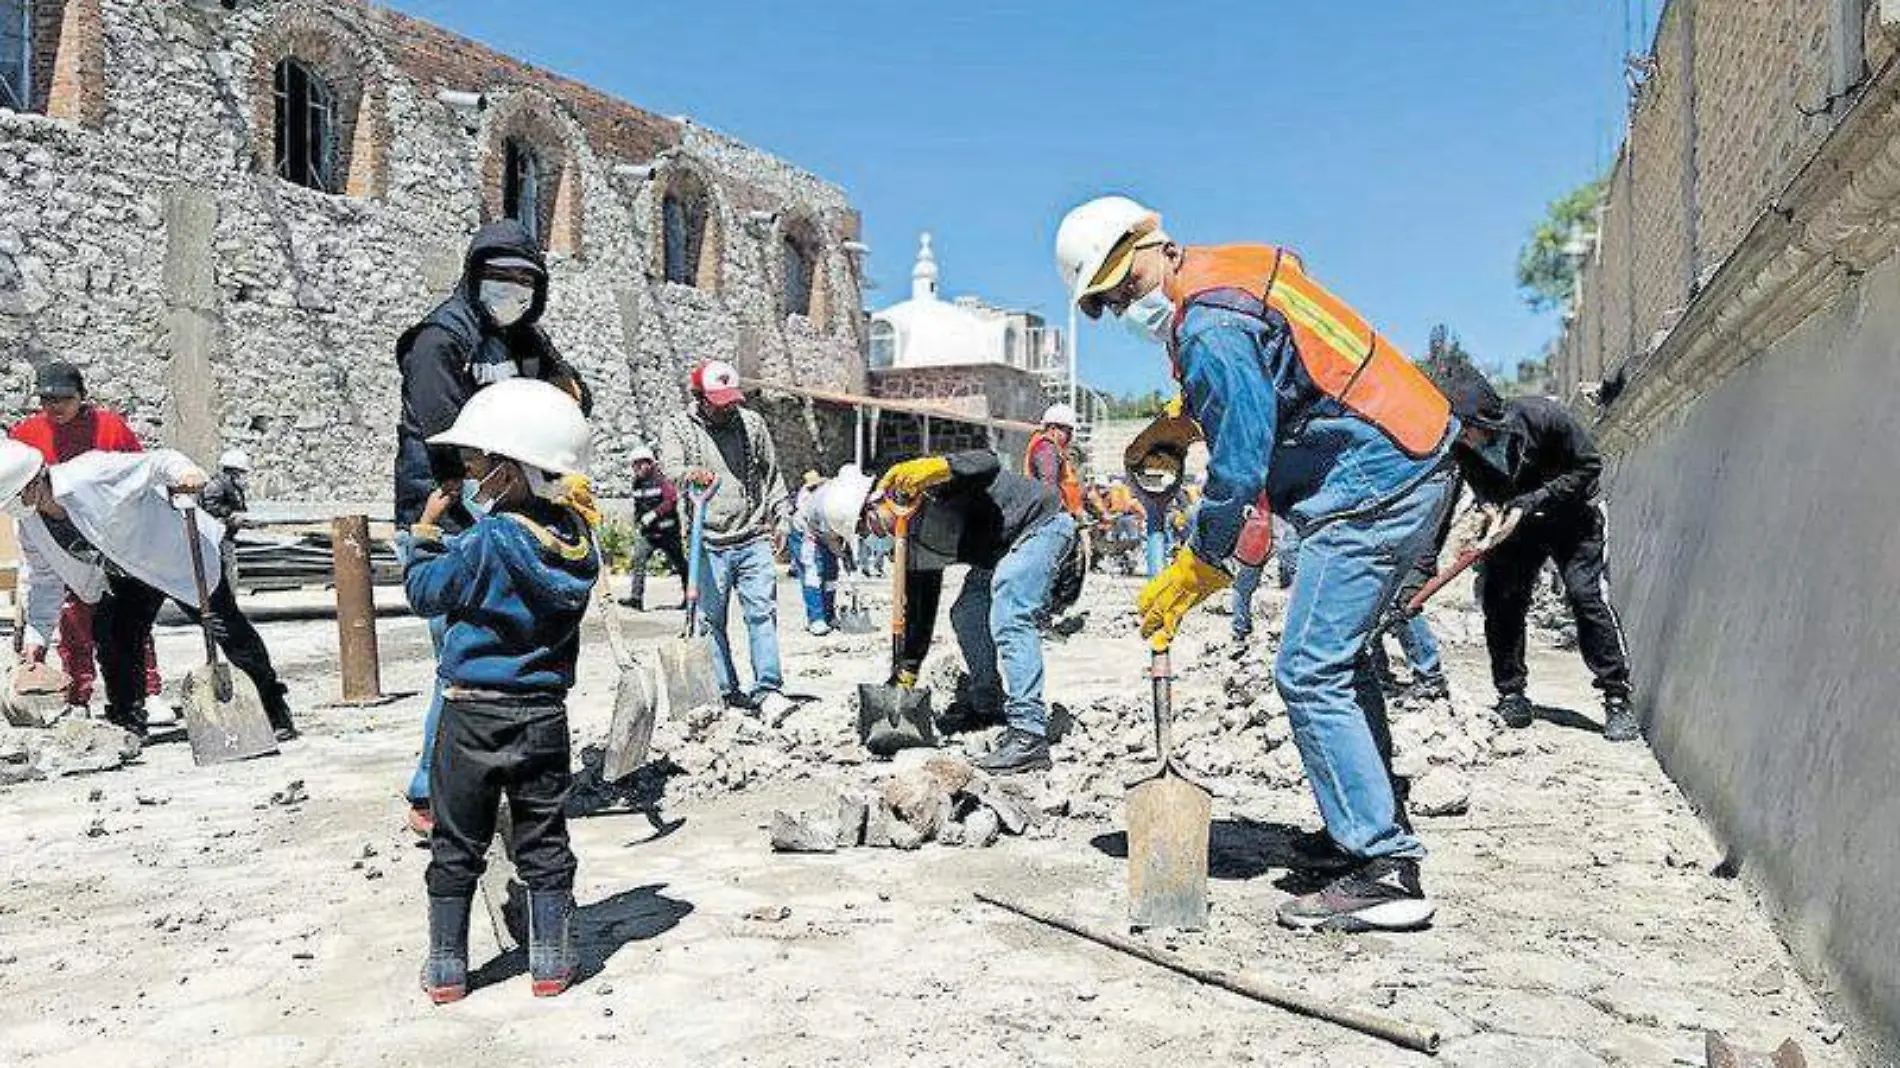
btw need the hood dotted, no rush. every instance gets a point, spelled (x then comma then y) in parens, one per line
(1475, 403)
(499, 239)
(555, 563)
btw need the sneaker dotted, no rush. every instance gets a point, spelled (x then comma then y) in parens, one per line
(1515, 710)
(1619, 720)
(739, 701)
(1016, 751)
(818, 628)
(774, 707)
(421, 819)
(1430, 687)
(1381, 894)
(1239, 646)
(1315, 852)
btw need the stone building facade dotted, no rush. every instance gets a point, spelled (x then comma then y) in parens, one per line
(1742, 309)
(226, 213)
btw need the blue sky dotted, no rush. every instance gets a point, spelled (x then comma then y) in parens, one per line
(1405, 147)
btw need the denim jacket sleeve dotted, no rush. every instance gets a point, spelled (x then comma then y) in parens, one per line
(441, 575)
(1229, 392)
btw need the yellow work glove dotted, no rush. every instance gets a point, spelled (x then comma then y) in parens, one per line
(1166, 599)
(911, 478)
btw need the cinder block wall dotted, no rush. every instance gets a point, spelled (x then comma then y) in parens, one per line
(145, 236)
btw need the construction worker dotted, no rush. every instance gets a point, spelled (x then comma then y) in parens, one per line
(1050, 458)
(1299, 398)
(656, 510)
(103, 526)
(716, 442)
(1534, 471)
(514, 589)
(793, 532)
(1020, 545)
(224, 500)
(68, 424)
(816, 556)
(486, 331)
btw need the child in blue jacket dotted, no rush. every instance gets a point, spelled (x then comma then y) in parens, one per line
(514, 589)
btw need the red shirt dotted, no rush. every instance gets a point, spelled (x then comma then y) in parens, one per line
(93, 428)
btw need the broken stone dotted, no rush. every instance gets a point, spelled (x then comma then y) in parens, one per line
(854, 811)
(1441, 792)
(152, 797)
(81, 746)
(921, 797)
(877, 824)
(770, 914)
(981, 829)
(950, 834)
(804, 832)
(292, 794)
(1006, 800)
(906, 837)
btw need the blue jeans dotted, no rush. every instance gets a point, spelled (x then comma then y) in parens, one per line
(817, 579)
(750, 571)
(1246, 581)
(1421, 648)
(995, 622)
(1348, 570)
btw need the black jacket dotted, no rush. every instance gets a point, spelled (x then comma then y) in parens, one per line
(975, 519)
(1551, 464)
(457, 350)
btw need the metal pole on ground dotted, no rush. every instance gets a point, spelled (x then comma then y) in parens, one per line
(358, 662)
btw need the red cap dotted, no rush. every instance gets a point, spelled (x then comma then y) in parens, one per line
(718, 382)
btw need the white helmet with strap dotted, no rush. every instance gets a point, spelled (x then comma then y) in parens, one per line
(525, 420)
(840, 502)
(1091, 232)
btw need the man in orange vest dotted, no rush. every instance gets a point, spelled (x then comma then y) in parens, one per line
(1300, 399)
(1048, 460)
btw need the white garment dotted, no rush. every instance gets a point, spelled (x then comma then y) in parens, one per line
(119, 502)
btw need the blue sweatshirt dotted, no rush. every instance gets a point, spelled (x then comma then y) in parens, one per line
(514, 588)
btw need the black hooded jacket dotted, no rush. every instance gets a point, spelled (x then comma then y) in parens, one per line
(1549, 463)
(454, 351)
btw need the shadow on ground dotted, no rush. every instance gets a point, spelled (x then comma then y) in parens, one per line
(600, 930)
(1237, 849)
(1565, 717)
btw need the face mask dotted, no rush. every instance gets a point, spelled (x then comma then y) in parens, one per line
(1497, 452)
(1150, 316)
(481, 499)
(506, 302)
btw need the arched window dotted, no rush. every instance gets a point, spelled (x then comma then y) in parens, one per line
(16, 55)
(306, 118)
(1012, 346)
(883, 345)
(800, 270)
(521, 184)
(684, 216)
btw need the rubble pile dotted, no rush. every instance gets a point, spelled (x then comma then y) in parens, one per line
(924, 797)
(70, 747)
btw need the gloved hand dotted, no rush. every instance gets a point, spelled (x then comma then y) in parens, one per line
(1165, 601)
(903, 680)
(1500, 524)
(910, 479)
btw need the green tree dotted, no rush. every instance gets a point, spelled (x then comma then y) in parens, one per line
(1547, 265)
(1446, 359)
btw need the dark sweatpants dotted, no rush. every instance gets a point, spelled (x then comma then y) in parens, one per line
(122, 625)
(485, 750)
(666, 542)
(1508, 575)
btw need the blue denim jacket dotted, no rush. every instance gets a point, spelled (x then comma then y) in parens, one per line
(1269, 427)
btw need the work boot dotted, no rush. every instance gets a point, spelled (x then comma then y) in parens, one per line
(277, 710)
(1381, 894)
(1430, 687)
(132, 720)
(1017, 750)
(552, 961)
(1317, 853)
(1515, 710)
(445, 973)
(638, 604)
(1619, 720)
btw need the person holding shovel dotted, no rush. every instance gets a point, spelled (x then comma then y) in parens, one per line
(1297, 397)
(513, 589)
(1017, 539)
(103, 522)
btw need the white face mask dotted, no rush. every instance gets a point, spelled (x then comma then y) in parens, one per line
(506, 302)
(1150, 316)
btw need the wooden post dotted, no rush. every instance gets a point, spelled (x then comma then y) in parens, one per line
(357, 659)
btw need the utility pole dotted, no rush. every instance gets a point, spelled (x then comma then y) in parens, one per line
(1071, 354)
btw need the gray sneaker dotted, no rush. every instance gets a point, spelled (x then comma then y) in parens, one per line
(1515, 710)
(1382, 894)
(1619, 720)
(1016, 751)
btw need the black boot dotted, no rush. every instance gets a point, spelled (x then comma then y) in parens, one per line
(1619, 720)
(551, 958)
(1430, 687)
(1016, 751)
(445, 974)
(1515, 710)
(131, 720)
(277, 710)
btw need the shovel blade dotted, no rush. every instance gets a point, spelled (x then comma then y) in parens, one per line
(1168, 824)
(224, 716)
(855, 622)
(504, 898)
(891, 718)
(631, 733)
(686, 665)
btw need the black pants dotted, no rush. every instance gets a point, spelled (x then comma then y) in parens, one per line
(1508, 576)
(485, 750)
(122, 623)
(665, 541)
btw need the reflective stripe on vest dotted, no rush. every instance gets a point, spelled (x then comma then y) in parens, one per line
(1068, 483)
(1347, 359)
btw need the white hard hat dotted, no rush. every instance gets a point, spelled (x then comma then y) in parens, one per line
(19, 463)
(526, 420)
(841, 501)
(1060, 415)
(1090, 232)
(235, 460)
(638, 453)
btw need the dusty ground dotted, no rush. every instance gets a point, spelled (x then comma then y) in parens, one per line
(167, 915)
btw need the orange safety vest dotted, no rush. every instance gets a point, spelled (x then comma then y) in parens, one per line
(1347, 359)
(1067, 482)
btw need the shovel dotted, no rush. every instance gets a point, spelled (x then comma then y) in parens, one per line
(894, 717)
(852, 618)
(631, 731)
(1169, 818)
(224, 716)
(686, 662)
